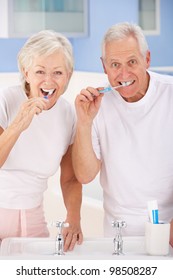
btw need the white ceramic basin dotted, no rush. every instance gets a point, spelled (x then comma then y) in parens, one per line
(98, 248)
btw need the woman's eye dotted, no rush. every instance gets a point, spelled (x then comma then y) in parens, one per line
(40, 72)
(57, 73)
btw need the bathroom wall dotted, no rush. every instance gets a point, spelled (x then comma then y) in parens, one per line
(103, 14)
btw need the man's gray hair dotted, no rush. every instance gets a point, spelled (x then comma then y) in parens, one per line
(124, 30)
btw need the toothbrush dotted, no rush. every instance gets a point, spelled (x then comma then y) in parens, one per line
(106, 89)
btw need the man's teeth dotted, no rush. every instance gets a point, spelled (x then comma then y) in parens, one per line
(48, 91)
(125, 84)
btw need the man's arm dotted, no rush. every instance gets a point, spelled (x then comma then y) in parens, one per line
(85, 162)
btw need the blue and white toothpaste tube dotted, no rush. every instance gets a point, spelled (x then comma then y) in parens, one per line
(153, 211)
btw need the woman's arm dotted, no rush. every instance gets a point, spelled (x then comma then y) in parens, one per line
(9, 136)
(72, 195)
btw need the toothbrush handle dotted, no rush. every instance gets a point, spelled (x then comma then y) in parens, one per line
(105, 90)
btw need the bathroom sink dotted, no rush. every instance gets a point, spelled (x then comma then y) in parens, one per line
(97, 248)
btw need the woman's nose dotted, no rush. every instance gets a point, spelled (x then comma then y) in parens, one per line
(48, 78)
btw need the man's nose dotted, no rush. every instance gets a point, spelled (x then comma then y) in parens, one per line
(124, 70)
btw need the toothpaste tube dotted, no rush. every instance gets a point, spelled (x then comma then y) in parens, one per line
(153, 211)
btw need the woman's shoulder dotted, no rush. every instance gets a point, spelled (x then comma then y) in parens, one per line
(65, 104)
(11, 92)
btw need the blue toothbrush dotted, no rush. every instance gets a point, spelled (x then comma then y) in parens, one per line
(106, 89)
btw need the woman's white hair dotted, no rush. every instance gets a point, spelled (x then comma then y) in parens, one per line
(45, 43)
(124, 30)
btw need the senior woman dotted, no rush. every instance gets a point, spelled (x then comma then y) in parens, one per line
(36, 134)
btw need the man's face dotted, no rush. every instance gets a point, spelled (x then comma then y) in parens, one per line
(123, 62)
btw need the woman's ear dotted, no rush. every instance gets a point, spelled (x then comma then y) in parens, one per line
(25, 74)
(104, 68)
(70, 74)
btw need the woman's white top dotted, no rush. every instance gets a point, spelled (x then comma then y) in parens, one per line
(135, 144)
(37, 153)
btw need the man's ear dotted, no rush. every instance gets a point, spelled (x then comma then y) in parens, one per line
(104, 68)
(148, 59)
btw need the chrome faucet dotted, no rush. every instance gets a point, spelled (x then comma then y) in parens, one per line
(59, 241)
(118, 241)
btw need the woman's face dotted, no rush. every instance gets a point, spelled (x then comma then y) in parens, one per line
(48, 77)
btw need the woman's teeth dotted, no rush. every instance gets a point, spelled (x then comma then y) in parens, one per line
(48, 91)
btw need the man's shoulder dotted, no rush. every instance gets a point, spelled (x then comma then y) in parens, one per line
(163, 78)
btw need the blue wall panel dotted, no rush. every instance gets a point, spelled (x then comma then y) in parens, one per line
(103, 14)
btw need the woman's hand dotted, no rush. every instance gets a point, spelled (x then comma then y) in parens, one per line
(9, 136)
(28, 109)
(72, 195)
(72, 235)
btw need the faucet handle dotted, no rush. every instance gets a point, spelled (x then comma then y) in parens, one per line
(119, 224)
(59, 225)
(118, 242)
(59, 242)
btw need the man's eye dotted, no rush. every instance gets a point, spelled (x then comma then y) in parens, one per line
(114, 65)
(133, 61)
